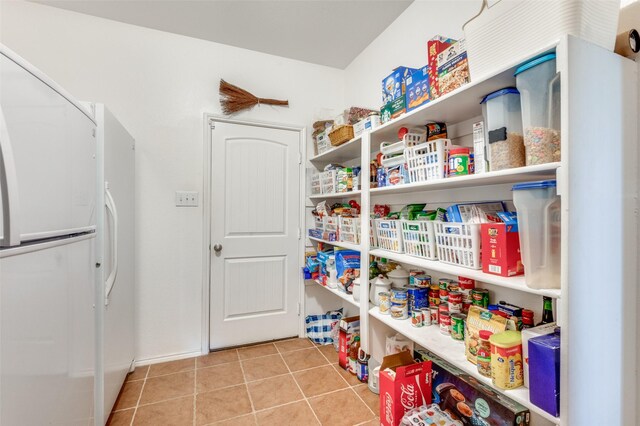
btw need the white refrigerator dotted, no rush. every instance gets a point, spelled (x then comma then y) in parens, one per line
(47, 250)
(115, 290)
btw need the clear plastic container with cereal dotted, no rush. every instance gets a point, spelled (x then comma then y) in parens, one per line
(503, 120)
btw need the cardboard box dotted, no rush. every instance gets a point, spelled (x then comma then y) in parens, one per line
(393, 85)
(405, 387)
(393, 109)
(544, 369)
(529, 333)
(462, 212)
(480, 163)
(349, 329)
(417, 89)
(453, 68)
(368, 123)
(434, 46)
(486, 405)
(501, 249)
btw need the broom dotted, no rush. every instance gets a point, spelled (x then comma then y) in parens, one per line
(234, 99)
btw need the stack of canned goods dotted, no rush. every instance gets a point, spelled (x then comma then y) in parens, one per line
(399, 307)
(385, 302)
(421, 317)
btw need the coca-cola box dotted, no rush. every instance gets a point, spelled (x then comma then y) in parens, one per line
(404, 385)
(349, 329)
(468, 400)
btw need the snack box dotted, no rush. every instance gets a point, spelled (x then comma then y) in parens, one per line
(434, 46)
(471, 401)
(417, 89)
(324, 257)
(501, 248)
(349, 329)
(393, 109)
(453, 68)
(463, 212)
(393, 85)
(480, 163)
(368, 123)
(404, 385)
(529, 333)
(315, 233)
(544, 369)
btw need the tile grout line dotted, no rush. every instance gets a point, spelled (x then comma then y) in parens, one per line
(195, 389)
(301, 391)
(135, 410)
(244, 380)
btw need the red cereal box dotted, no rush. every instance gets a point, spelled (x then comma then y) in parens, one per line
(404, 385)
(501, 250)
(434, 46)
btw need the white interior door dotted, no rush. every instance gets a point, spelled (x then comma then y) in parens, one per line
(255, 194)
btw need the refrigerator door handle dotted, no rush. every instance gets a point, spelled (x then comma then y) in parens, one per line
(8, 189)
(111, 207)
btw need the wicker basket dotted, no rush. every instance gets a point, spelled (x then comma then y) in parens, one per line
(341, 134)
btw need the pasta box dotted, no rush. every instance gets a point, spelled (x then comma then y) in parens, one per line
(349, 329)
(434, 46)
(404, 385)
(393, 109)
(393, 85)
(453, 68)
(417, 89)
(469, 400)
(501, 247)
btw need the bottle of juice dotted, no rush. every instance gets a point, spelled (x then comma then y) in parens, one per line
(354, 348)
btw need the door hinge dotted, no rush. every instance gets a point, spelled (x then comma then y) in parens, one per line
(299, 233)
(298, 308)
(299, 158)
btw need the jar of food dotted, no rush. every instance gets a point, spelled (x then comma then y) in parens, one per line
(459, 161)
(506, 360)
(483, 359)
(503, 119)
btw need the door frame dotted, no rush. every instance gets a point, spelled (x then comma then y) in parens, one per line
(209, 120)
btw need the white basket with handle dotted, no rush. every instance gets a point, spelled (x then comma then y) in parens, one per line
(458, 243)
(329, 181)
(428, 161)
(414, 137)
(349, 230)
(373, 239)
(506, 29)
(419, 238)
(389, 235)
(316, 187)
(330, 223)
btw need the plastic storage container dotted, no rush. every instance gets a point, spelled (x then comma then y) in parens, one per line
(503, 121)
(539, 226)
(539, 87)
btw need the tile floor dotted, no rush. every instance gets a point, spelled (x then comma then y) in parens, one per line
(290, 382)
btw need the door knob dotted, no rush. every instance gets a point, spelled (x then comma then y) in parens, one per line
(217, 248)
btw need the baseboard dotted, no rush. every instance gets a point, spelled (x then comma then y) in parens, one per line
(175, 357)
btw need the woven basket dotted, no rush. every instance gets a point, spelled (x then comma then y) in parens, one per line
(341, 134)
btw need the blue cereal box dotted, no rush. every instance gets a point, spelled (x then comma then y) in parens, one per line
(393, 85)
(544, 372)
(417, 88)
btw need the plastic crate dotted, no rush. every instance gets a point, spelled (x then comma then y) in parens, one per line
(389, 235)
(316, 187)
(458, 243)
(414, 137)
(328, 180)
(428, 161)
(330, 223)
(318, 223)
(349, 230)
(419, 238)
(373, 239)
(323, 143)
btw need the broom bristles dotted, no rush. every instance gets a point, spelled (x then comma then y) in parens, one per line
(234, 99)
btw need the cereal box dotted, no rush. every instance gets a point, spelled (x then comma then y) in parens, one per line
(417, 89)
(393, 109)
(393, 85)
(434, 46)
(501, 249)
(453, 68)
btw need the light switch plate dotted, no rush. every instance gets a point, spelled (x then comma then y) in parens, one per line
(186, 199)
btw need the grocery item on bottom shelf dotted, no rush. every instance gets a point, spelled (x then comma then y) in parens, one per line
(507, 371)
(354, 348)
(405, 384)
(468, 399)
(429, 415)
(528, 334)
(397, 343)
(349, 329)
(480, 319)
(544, 369)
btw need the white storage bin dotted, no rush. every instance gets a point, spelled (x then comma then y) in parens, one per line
(510, 27)
(428, 161)
(419, 238)
(329, 181)
(323, 144)
(458, 243)
(349, 230)
(316, 187)
(330, 223)
(389, 235)
(413, 138)
(318, 223)
(373, 239)
(538, 209)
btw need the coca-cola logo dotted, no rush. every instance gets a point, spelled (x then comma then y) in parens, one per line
(388, 408)
(408, 396)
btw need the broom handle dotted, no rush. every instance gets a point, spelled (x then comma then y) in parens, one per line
(268, 101)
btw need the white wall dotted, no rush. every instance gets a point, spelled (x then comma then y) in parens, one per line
(159, 85)
(404, 42)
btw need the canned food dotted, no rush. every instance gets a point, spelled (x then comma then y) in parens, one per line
(399, 312)
(457, 326)
(443, 307)
(434, 297)
(466, 283)
(444, 283)
(480, 297)
(426, 316)
(434, 314)
(444, 295)
(418, 298)
(385, 302)
(422, 280)
(465, 307)
(454, 287)
(455, 302)
(434, 287)
(399, 295)
(416, 318)
(445, 323)
(412, 274)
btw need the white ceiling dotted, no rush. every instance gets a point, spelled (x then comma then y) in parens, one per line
(326, 32)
